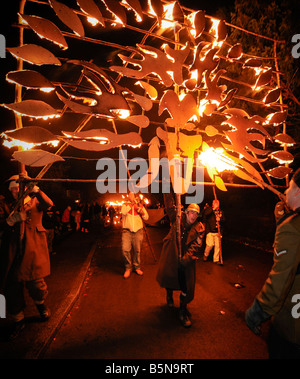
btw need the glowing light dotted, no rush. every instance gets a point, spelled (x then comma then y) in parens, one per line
(215, 158)
(168, 21)
(93, 21)
(12, 142)
(121, 113)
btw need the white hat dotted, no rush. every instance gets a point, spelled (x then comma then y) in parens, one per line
(13, 182)
(193, 207)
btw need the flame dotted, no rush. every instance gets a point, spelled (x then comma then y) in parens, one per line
(191, 20)
(93, 21)
(122, 113)
(215, 158)
(214, 30)
(12, 142)
(126, 5)
(168, 21)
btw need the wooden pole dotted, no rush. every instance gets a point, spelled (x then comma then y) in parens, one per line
(219, 230)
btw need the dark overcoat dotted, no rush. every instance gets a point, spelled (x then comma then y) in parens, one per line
(169, 263)
(36, 262)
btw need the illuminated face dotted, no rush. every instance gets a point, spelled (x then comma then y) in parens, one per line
(131, 197)
(192, 216)
(15, 192)
(293, 195)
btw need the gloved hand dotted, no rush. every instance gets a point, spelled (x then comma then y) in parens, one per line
(255, 316)
(35, 190)
(16, 217)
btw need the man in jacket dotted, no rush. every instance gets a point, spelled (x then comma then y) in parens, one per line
(279, 298)
(177, 272)
(28, 263)
(133, 213)
(212, 217)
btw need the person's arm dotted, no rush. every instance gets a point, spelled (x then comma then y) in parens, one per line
(44, 201)
(280, 279)
(194, 246)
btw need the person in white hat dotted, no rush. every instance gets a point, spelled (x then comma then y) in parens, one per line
(28, 263)
(177, 272)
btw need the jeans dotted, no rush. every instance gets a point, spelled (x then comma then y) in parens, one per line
(132, 240)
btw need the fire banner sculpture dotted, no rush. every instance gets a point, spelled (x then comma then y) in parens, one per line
(174, 85)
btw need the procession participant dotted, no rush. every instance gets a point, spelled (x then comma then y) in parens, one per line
(212, 217)
(175, 272)
(279, 296)
(133, 213)
(28, 263)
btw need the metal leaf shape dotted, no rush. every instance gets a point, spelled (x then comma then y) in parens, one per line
(272, 96)
(36, 158)
(158, 9)
(242, 134)
(100, 139)
(91, 9)
(34, 54)
(279, 172)
(139, 120)
(116, 9)
(178, 14)
(214, 91)
(31, 134)
(181, 111)
(264, 78)
(284, 139)
(30, 79)
(153, 158)
(151, 91)
(282, 156)
(33, 108)
(46, 29)
(155, 62)
(222, 31)
(143, 101)
(211, 131)
(199, 23)
(276, 118)
(204, 63)
(253, 62)
(136, 7)
(219, 183)
(235, 52)
(68, 17)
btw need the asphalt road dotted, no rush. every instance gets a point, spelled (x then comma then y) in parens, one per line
(114, 318)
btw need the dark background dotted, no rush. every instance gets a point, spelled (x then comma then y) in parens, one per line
(249, 212)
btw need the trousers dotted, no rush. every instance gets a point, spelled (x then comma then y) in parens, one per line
(132, 241)
(212, 240)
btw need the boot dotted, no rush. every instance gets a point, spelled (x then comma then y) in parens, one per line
(44, 311)
(183, 313)
(170, 301)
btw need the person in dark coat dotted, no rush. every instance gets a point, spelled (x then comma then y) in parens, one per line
(175, 272)
(27, 263)
(279, 297)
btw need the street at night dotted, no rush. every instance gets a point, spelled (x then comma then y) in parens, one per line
(150, 149)
(114, 318)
